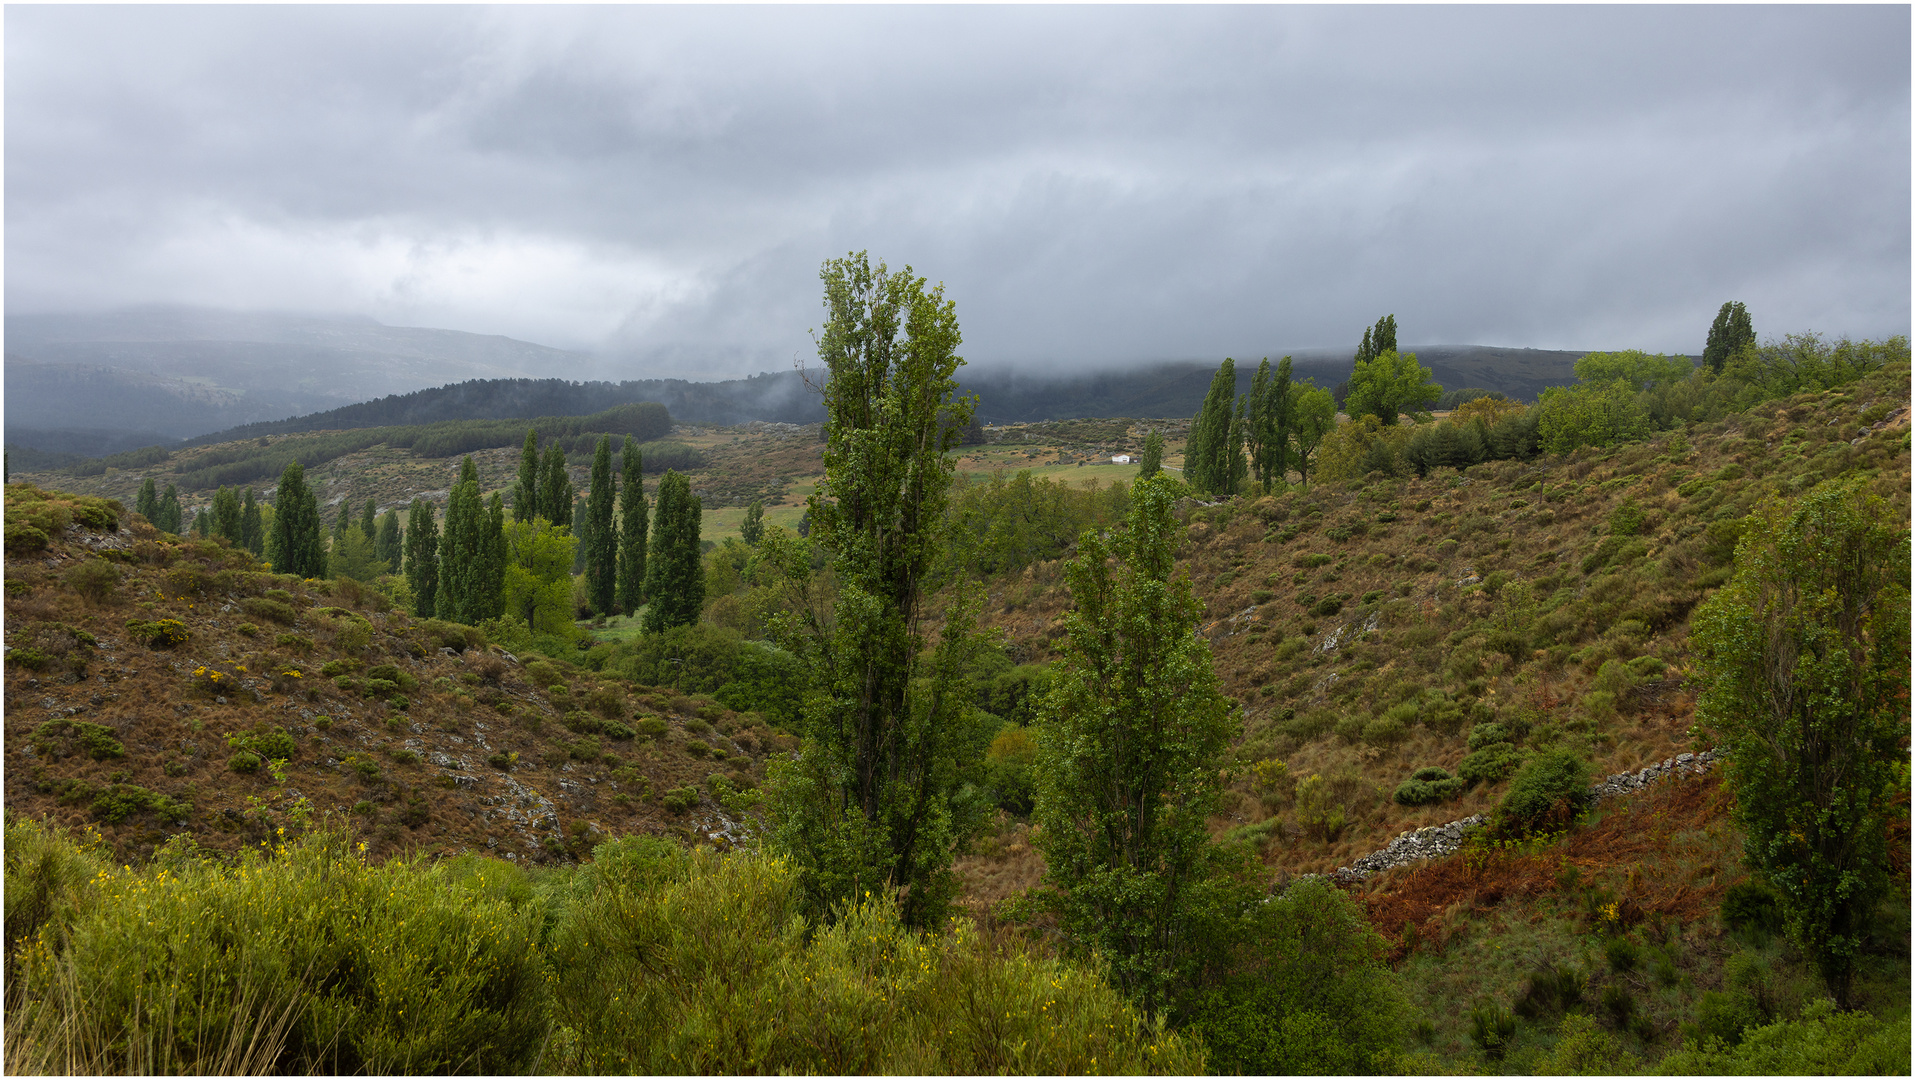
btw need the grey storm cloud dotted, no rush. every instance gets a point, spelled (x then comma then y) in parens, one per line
(1112, 185)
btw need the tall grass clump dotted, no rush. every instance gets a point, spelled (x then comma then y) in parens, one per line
(669, 961)
(299, 959)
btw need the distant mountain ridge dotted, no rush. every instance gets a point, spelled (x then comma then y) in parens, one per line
(1005, 396)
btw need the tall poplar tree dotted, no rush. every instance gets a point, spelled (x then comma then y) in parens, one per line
(462, 551)
(490, 603)
(674, 571)
(147, 503)
(601, 561)
(1731, 332)
(555, 487)
(1133, 732)
(422, 559)
(633, 533)
(1207, 453)
(369, 521)
(525, 493)
(1153, 460)
(752, 529)
(252, 525)
(227, 515)
(297, 545)
(169, 515)
(873, 801)
(386, 546)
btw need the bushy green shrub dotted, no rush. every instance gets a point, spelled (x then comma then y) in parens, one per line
(61, 737)
(1428, 785)
(318, 962)
(159, 634)
(117, 802)
(259, 607)
(394, 674)
(652, 727)
(1752, 905)
(699, 962)
(244, 762)
(1549, 990)
(1821, 1042)
(1490, 764)
(1491, 1029)
(273, 744)
(679, 799)
(1549, 790)
(1488, 734)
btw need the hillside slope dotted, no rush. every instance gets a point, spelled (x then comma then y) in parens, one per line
(1376, 627)
(413, 731)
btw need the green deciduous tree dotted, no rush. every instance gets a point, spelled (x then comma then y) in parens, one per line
(752, 529)
(875, 800)
(525, 493)
(202, 523)
(369, 521)
(674, 571)
(1377, 340)
(1390, 385)
(1129, 748)
(1153, 458)
(538, 574)
(422, 559)
(1589, 414)
(388, 546)
(1731, 333)
(1640, 369)
(352, 556)
(601, 556)
(1805, 664)
(297, 543)
(1313, 415)
(252, 525)
(633, 533)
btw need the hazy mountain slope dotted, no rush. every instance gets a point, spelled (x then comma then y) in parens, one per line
(185, 372)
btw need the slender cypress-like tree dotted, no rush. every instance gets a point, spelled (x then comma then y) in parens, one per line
(168, 516)
(202, 523)
(601, 560)
(297, 545)
(873, 802)
(491, 599)
(1207, 453)
(752, 529)
(422, 559)
(555, 491)
(1278, 418)
(252, 525)
(343, 522)
(387, 545)
(462, 551)
(147, 503)
(674, 572)
(1233, 449)
(1153, 459)
(633, 532)
(227, 515)
(369, 521)
(525, 493)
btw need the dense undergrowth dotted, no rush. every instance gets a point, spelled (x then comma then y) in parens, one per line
(305, 957)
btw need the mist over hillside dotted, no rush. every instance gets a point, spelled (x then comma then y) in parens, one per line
(187, 371)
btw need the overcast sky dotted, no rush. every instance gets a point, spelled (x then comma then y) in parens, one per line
(1091, 184)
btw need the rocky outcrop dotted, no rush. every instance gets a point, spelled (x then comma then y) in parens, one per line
(1436, 841)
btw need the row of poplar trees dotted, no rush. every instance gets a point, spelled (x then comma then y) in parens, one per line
(629, 559)
(1264, 434)
(458, 571)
